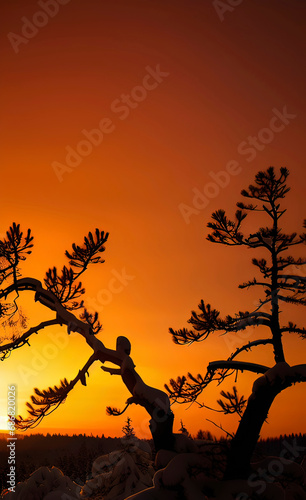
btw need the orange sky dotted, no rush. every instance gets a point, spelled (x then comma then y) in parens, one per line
(222, 78)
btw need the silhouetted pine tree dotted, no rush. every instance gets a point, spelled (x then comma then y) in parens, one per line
(282, 281)
(128, 429)
(183, 429)
(205, 435)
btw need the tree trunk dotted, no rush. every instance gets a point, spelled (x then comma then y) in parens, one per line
(243, 444)
(161, 427)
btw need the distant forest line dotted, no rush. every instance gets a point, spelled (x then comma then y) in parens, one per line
(75, 454)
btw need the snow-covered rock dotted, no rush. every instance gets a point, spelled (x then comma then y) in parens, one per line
(119, 474)
(43, 482)
(279, 372)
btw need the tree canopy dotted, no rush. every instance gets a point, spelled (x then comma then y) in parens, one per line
(279, 282)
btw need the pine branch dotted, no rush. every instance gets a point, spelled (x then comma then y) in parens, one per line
(293, 328)
(82, 256)
(186, 337)
(16, 246)
(115, 412)
(262, 238)
(48, 299)
(297, 279)
(226, 231)
(207, 321)
(263, 267)
(6, 349)
(284, 262)
(254, 282)
(63, 286)
(248, 347)
(267, 191)
(236, 365)
(92, 319)
(233, 403)
(287, 241)
(46, 401)
(248, 206)
(185, 390)
(268, 188)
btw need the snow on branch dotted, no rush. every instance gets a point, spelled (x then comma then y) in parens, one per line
(208, 321)
(6, 349)
(185, 390)
(236, 365)
(281, 373)
(248, 347)
(63, 316)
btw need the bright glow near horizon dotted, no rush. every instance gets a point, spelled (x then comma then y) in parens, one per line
(3, 422)
(153, 183)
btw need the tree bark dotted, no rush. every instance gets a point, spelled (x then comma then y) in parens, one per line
(243, 444)
(161, 427)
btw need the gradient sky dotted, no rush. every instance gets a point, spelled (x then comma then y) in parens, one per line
(225, 75)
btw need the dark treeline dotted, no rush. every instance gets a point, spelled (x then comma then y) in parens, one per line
(275, 446)
(75, 454)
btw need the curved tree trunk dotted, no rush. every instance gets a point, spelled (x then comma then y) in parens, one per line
(161, 427)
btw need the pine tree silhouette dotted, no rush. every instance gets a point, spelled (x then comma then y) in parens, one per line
(282, 281)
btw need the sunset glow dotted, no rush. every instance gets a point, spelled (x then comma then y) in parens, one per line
(142, 118)
(3, 423)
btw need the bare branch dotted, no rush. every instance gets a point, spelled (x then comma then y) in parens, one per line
(48, 299)
(236, 365)
(220, 427)
(249, 346)
(233, 403)
(47, 401)
(293, 328)
(23, 339)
